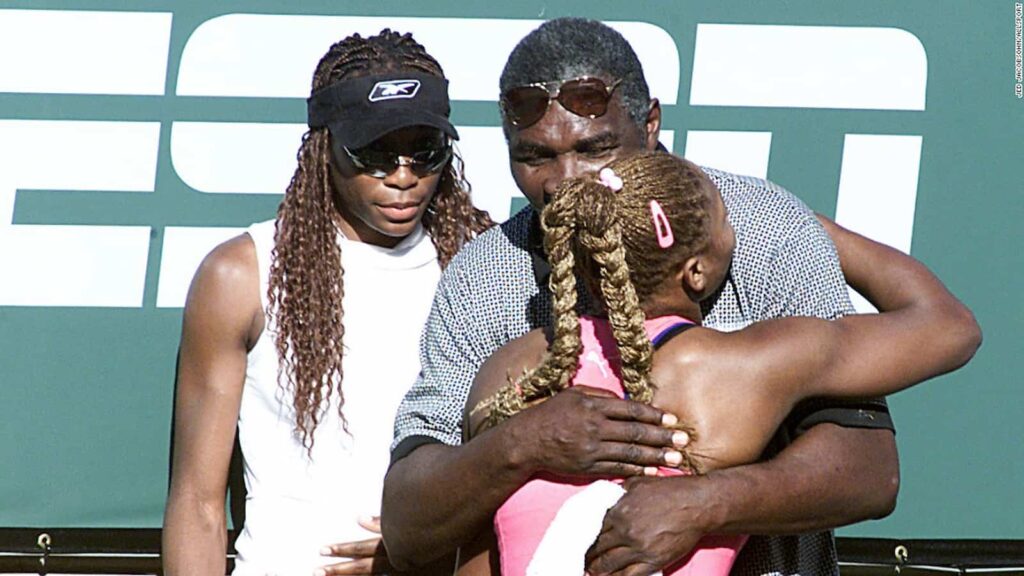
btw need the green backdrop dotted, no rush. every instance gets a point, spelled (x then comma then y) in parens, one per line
(86, 391)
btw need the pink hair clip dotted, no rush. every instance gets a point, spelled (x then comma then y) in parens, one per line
(662, 229)
(610, 179)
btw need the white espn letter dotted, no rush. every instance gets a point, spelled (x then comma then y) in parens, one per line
(235, 157)
(743, 153)
(95, 52)
(878, 191)
(229, 55)
(824, 67)
(58, 265)
(808, 67)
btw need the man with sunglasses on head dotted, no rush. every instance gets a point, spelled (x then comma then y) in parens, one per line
(573, 98)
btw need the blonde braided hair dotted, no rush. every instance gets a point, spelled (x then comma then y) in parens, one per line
(608, 238)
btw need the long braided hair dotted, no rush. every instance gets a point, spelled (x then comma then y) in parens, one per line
(306, 288)
(609, 239)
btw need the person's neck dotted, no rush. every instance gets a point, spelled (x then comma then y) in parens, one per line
(655, 307)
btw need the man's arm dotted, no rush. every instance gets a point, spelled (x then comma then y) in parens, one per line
(920, 316)
(440, 495)
(830, 476)
(661, 519)
(844, 467)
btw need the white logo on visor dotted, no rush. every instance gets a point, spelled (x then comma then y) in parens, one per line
(392, 89)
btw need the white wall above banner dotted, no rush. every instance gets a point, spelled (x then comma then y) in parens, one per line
(231, 56)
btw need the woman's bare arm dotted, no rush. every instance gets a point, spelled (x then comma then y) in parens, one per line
(737, 387)
(922, 331)
(222, 316)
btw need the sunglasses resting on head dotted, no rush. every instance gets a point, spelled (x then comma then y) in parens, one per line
(584, 96)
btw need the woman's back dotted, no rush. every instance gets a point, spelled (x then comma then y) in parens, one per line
(709, 379)
(729, 398)
(546, 526)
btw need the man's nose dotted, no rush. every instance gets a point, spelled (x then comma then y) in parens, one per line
(567, 166)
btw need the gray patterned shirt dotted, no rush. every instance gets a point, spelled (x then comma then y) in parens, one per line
(784, 265)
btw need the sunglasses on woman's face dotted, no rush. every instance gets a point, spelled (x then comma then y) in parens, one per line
(583, 96)
(379, 163)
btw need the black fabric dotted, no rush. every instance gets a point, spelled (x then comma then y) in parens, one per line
(860, 413)
(360, 110)
(869, 413)
(960, 554)
(669, 333)
(407, 446)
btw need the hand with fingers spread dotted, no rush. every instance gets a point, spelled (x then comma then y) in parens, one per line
(581, 432)
(589, 432)
(638, 538)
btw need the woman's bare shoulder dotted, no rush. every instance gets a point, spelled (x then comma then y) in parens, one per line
(507, 362)
(232, 263)
(750, 347)
(225, 291)
(690, 350)
(510, 360)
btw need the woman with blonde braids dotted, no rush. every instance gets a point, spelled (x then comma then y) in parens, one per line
(303, 333)
(651, 239)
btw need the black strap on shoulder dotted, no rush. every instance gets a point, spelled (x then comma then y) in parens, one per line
(670, 333)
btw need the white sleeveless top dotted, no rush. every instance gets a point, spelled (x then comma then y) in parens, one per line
(297, 504)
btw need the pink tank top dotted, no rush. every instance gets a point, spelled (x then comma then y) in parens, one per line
(532, 542)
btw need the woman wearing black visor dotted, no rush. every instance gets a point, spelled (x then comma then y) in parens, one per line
(303, 333)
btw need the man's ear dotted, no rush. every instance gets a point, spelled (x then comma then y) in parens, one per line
(652, 126)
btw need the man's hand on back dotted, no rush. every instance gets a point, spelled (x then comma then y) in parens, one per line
(581, 432)
(589, 432)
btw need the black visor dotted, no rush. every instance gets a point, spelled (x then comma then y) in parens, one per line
(360, 110)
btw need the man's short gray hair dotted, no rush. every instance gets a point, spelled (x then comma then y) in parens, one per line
(566, 48)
